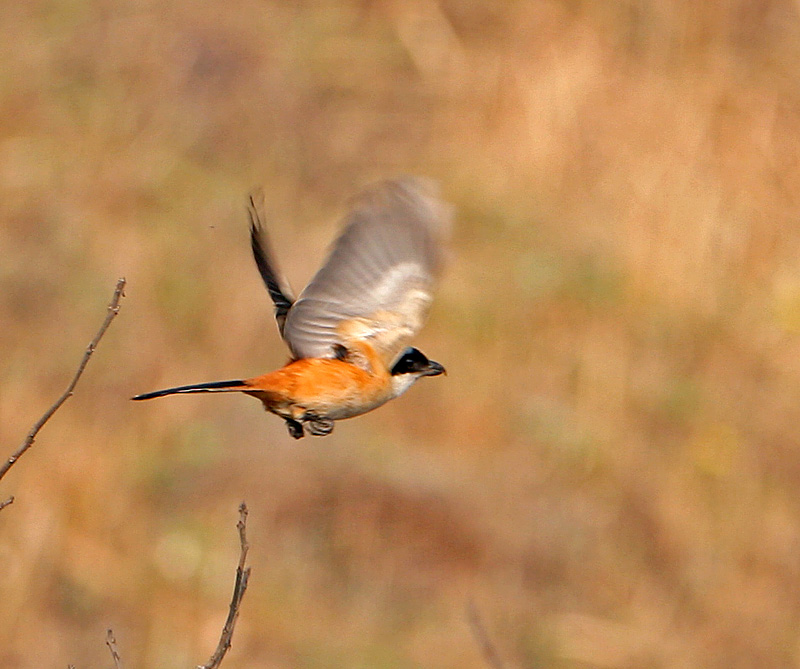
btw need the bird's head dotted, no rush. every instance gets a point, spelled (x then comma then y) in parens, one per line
(410, 366)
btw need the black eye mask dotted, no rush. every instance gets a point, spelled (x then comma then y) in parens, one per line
(412, 360)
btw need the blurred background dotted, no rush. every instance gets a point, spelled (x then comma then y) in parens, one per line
(609, 472)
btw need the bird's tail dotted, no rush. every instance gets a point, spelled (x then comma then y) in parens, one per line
(212, 387)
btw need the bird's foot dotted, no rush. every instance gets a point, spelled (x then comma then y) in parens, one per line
(295, 428)
(318, 426)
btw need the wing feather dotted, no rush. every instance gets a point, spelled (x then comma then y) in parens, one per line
(377, 282)
(276, 284)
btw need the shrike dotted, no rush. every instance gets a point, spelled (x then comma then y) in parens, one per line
(348, 331)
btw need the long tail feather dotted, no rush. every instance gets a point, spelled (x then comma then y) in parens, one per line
(213, 387)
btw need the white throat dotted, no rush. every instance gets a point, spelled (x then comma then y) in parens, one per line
(402, 382)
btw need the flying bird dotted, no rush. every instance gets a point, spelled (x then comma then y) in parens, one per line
(348, 331)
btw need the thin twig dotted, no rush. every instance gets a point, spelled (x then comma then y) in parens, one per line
(242, 576)
(113, 309)
(111, 642)
(488, 649)
(6, 502)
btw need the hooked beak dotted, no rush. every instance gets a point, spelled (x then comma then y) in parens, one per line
(434, 369)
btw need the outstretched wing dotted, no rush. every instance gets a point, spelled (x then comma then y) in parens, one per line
(377, 282)
(277, 286)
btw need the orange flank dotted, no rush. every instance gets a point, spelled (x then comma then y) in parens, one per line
(320, 386)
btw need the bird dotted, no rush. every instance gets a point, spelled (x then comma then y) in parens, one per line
(349, 330)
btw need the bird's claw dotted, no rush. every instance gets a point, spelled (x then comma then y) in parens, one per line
(295, 428)
(317, 426)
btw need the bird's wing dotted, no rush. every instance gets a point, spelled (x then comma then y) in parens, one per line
(278, 287)
(376, 285)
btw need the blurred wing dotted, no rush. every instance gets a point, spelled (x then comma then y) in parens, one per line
(377, 282)
(277, 286)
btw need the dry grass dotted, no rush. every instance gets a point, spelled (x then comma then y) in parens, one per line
(610, 471)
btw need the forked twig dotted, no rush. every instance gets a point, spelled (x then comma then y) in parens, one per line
(488, 649)
(111, 642)
(113, 309)
(242, 576)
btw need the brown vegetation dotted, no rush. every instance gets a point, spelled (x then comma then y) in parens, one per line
(610, 471)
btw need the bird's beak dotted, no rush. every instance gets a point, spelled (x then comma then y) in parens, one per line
(434, 369)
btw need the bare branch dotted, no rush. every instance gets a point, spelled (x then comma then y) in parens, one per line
(242, 576)
(113, 309)
(111, 642)
(488, 649)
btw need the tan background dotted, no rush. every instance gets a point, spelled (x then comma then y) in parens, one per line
(610, 471)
